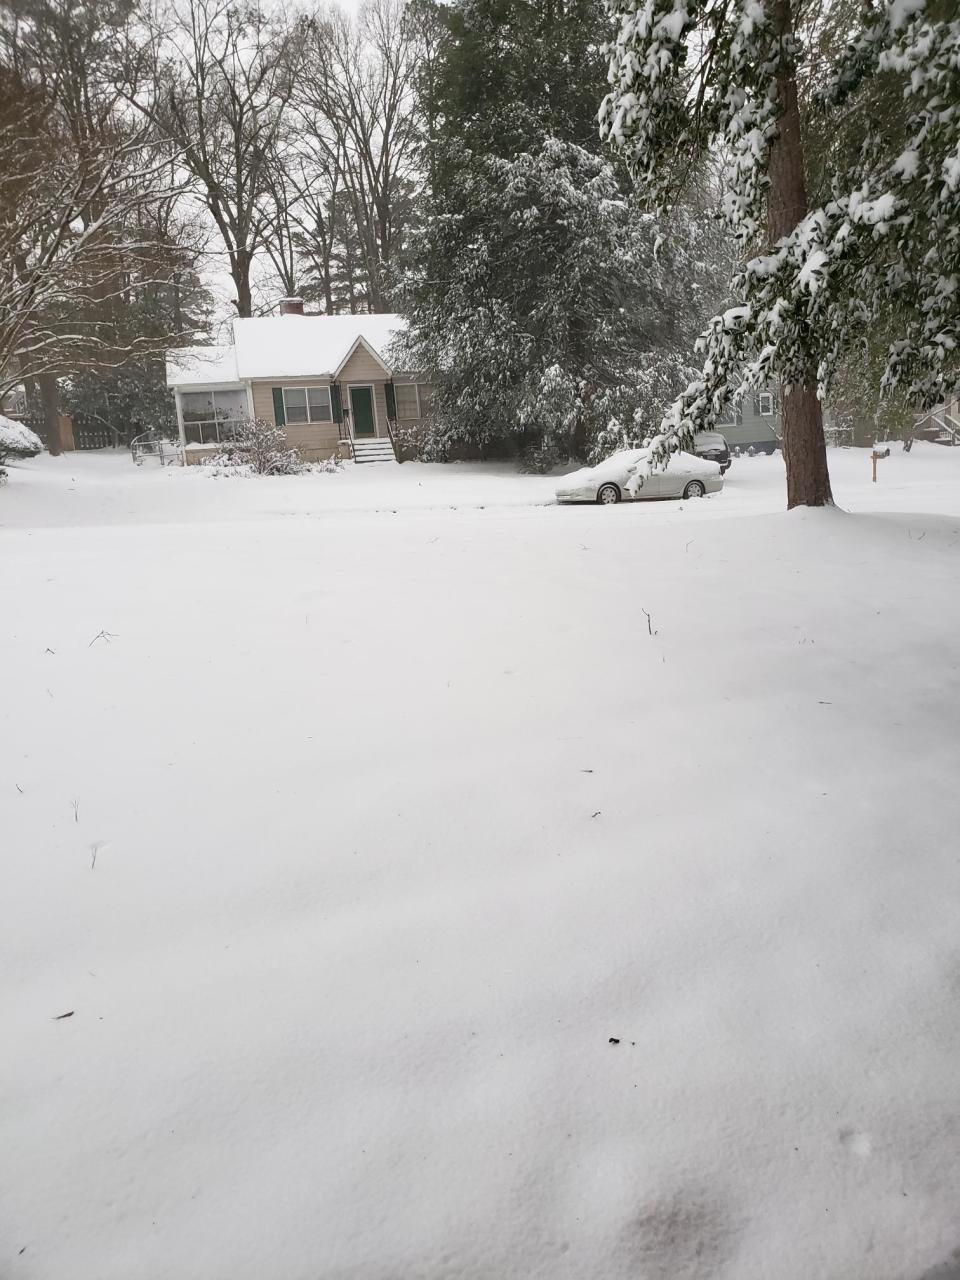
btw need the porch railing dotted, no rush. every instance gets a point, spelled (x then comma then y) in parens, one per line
(150, 444)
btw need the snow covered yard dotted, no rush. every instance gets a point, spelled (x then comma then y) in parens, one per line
(444, 884)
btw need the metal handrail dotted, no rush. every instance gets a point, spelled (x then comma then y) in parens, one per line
(941, 420)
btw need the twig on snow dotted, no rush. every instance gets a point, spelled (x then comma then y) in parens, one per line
(650, 629)
(102, 635)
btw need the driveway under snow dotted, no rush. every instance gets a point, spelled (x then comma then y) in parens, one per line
(441, 883)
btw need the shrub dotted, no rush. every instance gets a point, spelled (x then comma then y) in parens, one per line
(17, 441)
(258, 448)
(540, 459)
(328, 465)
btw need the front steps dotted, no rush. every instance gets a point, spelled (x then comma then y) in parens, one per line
(376, 450)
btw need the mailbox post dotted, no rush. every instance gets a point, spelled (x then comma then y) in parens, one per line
(875, 458)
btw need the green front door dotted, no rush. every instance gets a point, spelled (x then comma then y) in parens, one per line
(361, 406)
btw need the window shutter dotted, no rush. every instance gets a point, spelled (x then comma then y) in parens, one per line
(336, 404)
(278, 415)
(391, 402)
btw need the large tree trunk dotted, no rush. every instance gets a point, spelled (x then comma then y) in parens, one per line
(804, 447)
(240, 270)
(50, 399)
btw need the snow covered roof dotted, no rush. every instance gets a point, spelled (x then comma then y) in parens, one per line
(200, 366)
(304, 346)
(283, 347)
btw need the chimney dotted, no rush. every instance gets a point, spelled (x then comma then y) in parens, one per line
(291, 306)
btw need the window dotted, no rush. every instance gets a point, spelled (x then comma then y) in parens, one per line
(408, 401)
(307, 404)
(212, 416)
(413, 399)
(765, 404)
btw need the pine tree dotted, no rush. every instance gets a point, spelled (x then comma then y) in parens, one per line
(550, 310)
(563, 317)
(690, 75)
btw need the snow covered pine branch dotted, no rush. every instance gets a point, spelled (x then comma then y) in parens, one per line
(724, 73)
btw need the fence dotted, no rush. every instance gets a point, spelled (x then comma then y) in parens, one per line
(94, 438)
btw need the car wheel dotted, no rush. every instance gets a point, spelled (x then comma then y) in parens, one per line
(608, 493)
(694, 490)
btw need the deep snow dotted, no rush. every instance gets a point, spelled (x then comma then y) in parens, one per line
(400, 813)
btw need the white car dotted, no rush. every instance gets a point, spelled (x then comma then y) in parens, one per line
(624, 476)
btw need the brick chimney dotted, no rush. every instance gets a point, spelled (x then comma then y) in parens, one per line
(291, 306)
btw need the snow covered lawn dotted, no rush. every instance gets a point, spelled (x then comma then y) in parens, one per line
(445, 884)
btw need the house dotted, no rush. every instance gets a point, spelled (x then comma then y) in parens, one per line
(940, 425)
(753, 422)
(326, 380)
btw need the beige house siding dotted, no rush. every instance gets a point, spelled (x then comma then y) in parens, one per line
(317, 440)
(314, 440)
(363, 369)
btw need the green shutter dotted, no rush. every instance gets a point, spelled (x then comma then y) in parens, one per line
(278, 415)
(391, 402)
(336, 403)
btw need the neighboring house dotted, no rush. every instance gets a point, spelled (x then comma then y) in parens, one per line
(325, 379)
(754, 422)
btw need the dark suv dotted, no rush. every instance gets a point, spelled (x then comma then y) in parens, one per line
(712, 446)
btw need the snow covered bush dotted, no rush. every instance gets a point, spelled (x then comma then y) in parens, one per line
(327, 466)
(410, 440)
(17, 441)
(258, 448)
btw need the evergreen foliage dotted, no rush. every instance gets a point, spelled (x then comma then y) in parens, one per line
(551, 311)
(882, 242)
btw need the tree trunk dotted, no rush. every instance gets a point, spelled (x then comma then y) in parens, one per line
(240, 270)
(177, 309)
(804, 447)
(31, 390)
(50, 399)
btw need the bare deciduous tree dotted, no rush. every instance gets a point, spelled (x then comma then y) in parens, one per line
(356, 95)
(80, 193)
(216, 79)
